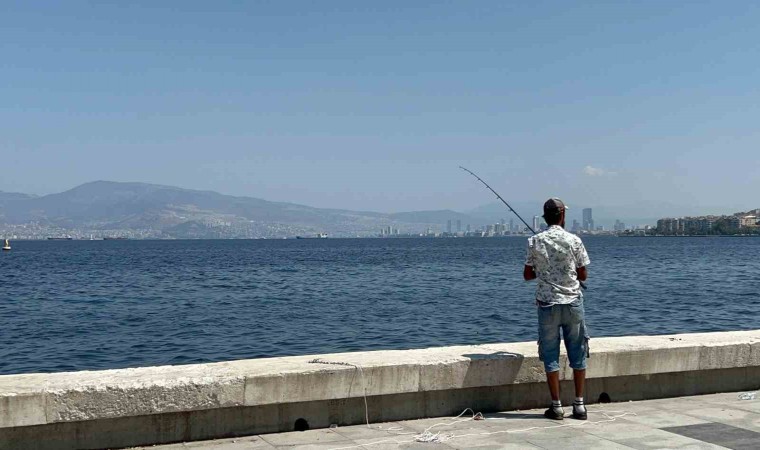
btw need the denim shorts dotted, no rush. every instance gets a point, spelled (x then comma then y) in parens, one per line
(570, 319)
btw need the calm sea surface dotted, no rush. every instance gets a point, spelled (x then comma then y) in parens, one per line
(74, 305)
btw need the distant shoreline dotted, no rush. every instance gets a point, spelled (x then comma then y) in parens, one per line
(380, 238)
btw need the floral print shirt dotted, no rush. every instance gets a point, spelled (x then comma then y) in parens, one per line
(555, 255)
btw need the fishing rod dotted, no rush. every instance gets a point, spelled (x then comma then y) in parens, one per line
(583, 285)
(499, 197)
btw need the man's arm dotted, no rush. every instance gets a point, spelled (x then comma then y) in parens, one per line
(581, 262)
(582, 273)
(529, 273)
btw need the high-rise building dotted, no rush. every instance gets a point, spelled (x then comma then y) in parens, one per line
(468, 228)
(536, 222)
(588, 220)
(459, 226)
(512, 226)
(576, 226)
(448, 226)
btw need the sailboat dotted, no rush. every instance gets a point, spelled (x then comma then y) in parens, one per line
(7, 246)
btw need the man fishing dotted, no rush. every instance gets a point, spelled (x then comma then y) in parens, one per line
(558, 260)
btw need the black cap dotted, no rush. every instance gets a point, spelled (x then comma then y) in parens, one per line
(554, 206)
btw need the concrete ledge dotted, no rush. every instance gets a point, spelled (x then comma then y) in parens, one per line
(166, 404)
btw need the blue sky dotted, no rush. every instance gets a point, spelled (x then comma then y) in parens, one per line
(373, 105)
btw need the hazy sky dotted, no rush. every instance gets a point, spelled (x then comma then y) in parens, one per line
(373, 105)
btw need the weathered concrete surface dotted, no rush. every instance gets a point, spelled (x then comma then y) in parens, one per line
(202, 401)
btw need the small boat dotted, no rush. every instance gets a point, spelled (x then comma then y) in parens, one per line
(6, 246)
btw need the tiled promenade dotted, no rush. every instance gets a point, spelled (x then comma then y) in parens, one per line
(702, 422)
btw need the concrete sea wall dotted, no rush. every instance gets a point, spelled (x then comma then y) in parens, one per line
(151, 405)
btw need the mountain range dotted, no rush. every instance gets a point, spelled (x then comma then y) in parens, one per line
(166, 211)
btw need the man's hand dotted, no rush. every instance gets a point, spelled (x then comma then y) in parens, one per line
(582, 273)
(529, 273)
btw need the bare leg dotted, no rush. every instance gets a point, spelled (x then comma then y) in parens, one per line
(579, 376)
(552, 379)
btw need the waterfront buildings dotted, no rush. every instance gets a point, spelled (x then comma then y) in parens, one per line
(588, 219)
(708, 224)
(749, 221)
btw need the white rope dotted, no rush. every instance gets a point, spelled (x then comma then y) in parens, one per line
(747, 395)
(429, 436)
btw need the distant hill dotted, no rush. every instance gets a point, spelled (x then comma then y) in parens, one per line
(6, 197)
(175, 212)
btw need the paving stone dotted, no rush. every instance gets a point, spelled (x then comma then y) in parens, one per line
(162, 447)
(719, 434)
(752, 424)
(316, 437)
(375, 431)
(490, 438)
(663, 419)
(720, 399)
(438, 424)
(671, 404)
(520, 446)
(668, 440)
(621, 430)
(623, 407)
(402, 444)
(326, 446)
(745, 405)
(255, 442)
(721, 414)
(579, 442)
